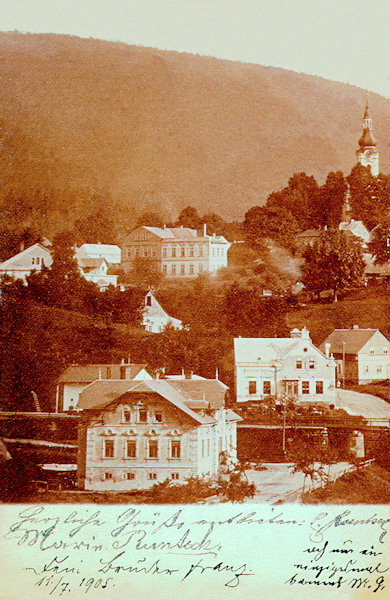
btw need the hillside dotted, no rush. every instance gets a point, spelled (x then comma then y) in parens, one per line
(164, 129)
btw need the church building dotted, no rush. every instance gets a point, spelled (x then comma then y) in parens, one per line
(367, 154)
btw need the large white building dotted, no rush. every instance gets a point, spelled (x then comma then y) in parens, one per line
(277, 366)
(137, 433)
(177, 251)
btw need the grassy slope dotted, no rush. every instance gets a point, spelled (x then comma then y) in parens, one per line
(367, 308)
(165, 128)
(370, 485)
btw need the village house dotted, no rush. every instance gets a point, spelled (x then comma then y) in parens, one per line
(278, 366)
(136, 433)
(30, 259)
(110, 252)
(75, 378)
(96, 270)
(362, 355)
(176, 251)
(155, 319)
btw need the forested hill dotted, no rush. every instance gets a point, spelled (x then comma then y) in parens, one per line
(149, 128)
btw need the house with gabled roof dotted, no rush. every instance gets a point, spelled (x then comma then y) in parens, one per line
(155, 319)
(97, 271)
(110, 252)
(362, 355)
(30, 259)
(284, 366)
(176, 251)
(136, 433)
(76, 377)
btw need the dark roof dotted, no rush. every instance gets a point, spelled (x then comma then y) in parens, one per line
(100, 394)
(367, 139)
(211, 391)
(354, 340)
(88, 373)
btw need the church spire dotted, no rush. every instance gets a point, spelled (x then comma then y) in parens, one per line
(367, 154)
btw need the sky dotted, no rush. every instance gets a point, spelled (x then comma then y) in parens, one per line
(343, 40)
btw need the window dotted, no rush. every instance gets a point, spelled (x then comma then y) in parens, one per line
(319, 387)
(182, 251)
(384, 350)
(164, 252)
(200, 268)
(130, 475)
(191, 269)
(126, 415)
(191, 251)
(37, 260)
(298, 364)
(173, 251)
(176, 449)
(366, 369)
(312, 364)
(208, 447)
(202, 448)
(201, 251)
(174, 475)
(145, 252)
(252, 387)
(371, 350)
(33, 260)
(182, 269)
(108, 449)
(158, 417)
(142, 415)
(164, 269)
(148, 300)
(153, 449)
(305, 387)
(379, 369)
(128, 252)
(107, 476)
(131, 448)
(152, 475)
(266, 387)
(173, 269)
(137, 251)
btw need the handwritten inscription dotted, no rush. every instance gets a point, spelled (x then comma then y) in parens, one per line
(340, 567)
(71, 551)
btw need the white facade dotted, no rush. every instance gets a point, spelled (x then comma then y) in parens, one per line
(155, 319)
(277, 366)
(133, 436)
(177, 251)
(25, 262)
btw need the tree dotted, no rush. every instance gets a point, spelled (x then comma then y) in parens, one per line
(370, 196)
(330, 200)
(149, 219)
(335, 262)
(189, 217)
(299, 198)
(277, 223)
(380, 244)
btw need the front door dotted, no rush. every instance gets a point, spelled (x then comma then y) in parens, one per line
(291, 388)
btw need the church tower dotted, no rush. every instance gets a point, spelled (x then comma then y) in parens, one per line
(367, 154)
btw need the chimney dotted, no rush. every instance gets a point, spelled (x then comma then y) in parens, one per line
(355, 327)
(295, 333)
(204, 229)
(305, 334)
(164, 226)
(327, 349)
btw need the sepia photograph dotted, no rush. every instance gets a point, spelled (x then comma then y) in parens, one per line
(195, 299)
